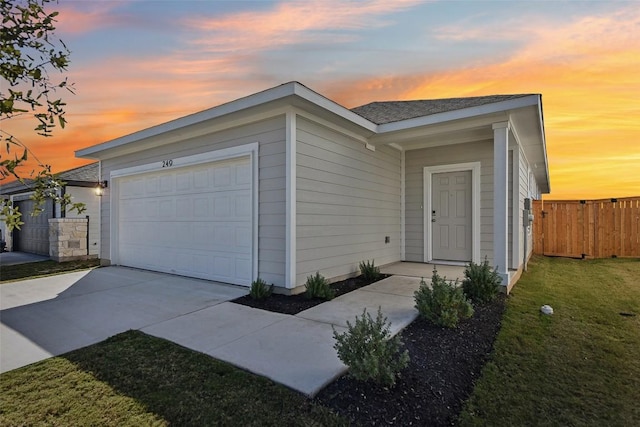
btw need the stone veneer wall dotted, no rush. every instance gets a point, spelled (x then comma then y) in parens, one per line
(68, 239)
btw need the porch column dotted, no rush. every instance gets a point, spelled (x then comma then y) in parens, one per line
(500, 199)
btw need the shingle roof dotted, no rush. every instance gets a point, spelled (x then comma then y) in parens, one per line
(86, 173)
(394, 111)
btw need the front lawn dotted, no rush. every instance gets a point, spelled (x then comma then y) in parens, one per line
(133, 379)
(32, 270)
(580, 366)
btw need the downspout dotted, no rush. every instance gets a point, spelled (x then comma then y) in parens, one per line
(87, 236)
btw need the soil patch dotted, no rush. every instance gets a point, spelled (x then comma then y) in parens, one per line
(294, 304)
(440, 377)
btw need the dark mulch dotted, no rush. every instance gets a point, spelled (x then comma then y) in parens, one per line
(294, 304)
(431, 391)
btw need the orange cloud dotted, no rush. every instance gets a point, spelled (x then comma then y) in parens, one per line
(588, 74)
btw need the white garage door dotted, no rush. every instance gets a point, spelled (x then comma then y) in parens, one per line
(194, 221)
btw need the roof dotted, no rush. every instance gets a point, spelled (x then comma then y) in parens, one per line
(395, 111)
(87, 173)
(378, 122)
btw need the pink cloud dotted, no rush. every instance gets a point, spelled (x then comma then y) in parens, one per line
(292, 23)
(76, 19)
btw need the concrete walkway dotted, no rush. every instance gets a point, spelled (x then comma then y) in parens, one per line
(50, 316)
(296, 351)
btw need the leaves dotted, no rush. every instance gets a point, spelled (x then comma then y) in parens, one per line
(29, 54)
(370, 351)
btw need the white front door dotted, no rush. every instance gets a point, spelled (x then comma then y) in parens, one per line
(451, 216)
(193, 221)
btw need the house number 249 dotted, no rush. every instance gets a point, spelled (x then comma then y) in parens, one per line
(167, 163)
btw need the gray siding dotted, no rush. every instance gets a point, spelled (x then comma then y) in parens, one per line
(270, 134)
(415, 161)
(525, 192)
(510, 218)
(348, 200)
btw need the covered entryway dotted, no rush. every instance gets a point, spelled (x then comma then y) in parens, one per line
(451, 216)
(451, 213)
(194, 221)
(33, 236)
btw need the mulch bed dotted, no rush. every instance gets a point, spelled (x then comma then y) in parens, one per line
(294, 304)
(431, 391)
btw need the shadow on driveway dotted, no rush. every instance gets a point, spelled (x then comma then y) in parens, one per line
(50, 316)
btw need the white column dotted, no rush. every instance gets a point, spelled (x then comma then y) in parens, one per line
(291, 137)
(500, 199)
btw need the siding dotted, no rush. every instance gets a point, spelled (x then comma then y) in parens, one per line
(511, 154)
(416, 160)
(87, 196)
(348, 200)
(270, 134)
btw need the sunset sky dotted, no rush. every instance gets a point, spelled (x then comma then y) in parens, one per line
(140, 63)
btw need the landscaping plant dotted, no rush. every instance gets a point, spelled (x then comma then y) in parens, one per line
(260, 289)
(481, 284)
(369, 271)
(318, 287)
(443, 304)
(369, 350)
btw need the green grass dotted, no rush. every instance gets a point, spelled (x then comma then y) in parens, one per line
(580, 366)
(43, 268)
(133, 379)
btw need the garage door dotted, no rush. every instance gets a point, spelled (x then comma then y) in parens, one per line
(33, 236)
(194, 221)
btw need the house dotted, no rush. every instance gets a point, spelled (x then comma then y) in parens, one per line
(285, 182)
(34, 235)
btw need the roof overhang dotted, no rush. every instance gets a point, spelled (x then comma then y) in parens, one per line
(268, 103)
(457, 126)
(475, 124)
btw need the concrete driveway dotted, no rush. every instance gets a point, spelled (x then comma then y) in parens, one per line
(49, 316)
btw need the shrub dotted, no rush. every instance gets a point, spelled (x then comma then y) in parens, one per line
(481, 284)
(442, 304)
(370, 272)
(260, 289)
(369, 350)
(318, 287)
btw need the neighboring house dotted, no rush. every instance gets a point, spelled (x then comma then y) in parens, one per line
(33, 236)
(286, 182)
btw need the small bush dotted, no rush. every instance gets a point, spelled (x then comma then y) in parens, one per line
(369, 271)
(260, 289)
(443, 304)
(318, 287)
(481, 284)
(369, 350)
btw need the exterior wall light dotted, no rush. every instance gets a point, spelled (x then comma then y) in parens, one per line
(100, 188)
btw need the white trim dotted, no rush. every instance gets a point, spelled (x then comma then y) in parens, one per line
(333, 126)
(403, 211)
(291, 137)
(428, 171)
(291, 89)
(464, 113)
(99, 211)
(500, 199)
(209, 156)
(515, 208)
(250, 150)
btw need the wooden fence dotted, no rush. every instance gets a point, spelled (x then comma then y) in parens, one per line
(587, 228)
